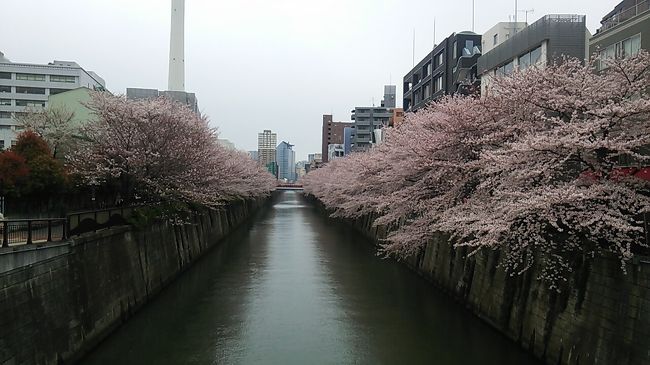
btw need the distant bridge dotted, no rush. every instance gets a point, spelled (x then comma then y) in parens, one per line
(289, 187)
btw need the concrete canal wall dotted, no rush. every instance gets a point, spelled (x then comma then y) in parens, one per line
(56, 309)
(602, 316)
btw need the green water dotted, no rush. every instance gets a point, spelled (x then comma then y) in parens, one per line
(293, 287)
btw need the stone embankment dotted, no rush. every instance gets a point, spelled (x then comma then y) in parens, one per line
(60, 302)
(602, 315)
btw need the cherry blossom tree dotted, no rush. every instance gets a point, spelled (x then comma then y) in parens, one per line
(534, 166)
(54, 124)
(161, 151)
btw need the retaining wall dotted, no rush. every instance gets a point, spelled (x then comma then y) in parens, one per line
(602, 316)
(55, 310)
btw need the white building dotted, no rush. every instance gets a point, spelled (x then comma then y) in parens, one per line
(335, 151)
(24, 86)
(499, 34)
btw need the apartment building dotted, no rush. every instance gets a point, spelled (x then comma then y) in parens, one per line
(623, 32)
(543, 42)
(448, 69)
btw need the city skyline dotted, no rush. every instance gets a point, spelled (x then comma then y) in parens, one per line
(301, 61)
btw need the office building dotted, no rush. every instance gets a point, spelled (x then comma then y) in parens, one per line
(286, 160)
(390, 96)
(332, 134)
(543, 42)
(266, 142)
(623, 32)
(448, 69)
(25, 86)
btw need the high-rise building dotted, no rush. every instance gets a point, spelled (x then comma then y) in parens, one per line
(25, 86)
(286, 159)
(266, 142)
(548, 39)
(332, 134)
(449, 69)
(623, 32)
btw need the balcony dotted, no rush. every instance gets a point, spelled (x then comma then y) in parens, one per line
(624, 16)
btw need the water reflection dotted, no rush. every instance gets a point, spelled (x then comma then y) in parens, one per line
(295, 288)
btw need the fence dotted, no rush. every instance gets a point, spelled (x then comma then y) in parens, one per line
(28, 231)
(93, 220)
(625, 15)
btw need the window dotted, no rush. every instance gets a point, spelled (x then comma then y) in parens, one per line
(5, 102)
(68, 79)
(5, 75)
(13, 142)
(530, 58)
(509, 67)
(536, 55)
(438, 84)
(30, 77)
(30, 103)
(495, 39)
(455, 49)
(524, 61)
(5, 115)
(439, 60)
(470, 46)
(5, 89)
(630, 46)
(2, 144)
(30, 90)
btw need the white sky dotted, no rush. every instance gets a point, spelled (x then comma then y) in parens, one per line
(259, 64)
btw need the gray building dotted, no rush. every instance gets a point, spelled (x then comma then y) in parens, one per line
(448, 69)
(623, 32)
(367, 119)
(25, 86)
(286, 159)
(543, 42)
(182, 97)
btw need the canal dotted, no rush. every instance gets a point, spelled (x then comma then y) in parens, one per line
(293, 287)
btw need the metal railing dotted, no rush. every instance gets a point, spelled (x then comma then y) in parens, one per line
(93, 220)
(29, 231)
(625, 15)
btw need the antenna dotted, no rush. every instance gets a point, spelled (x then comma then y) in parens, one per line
(434, 32)
(413, 47)
(526, 11)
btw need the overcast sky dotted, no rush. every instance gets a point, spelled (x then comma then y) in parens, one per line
(259, 64)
